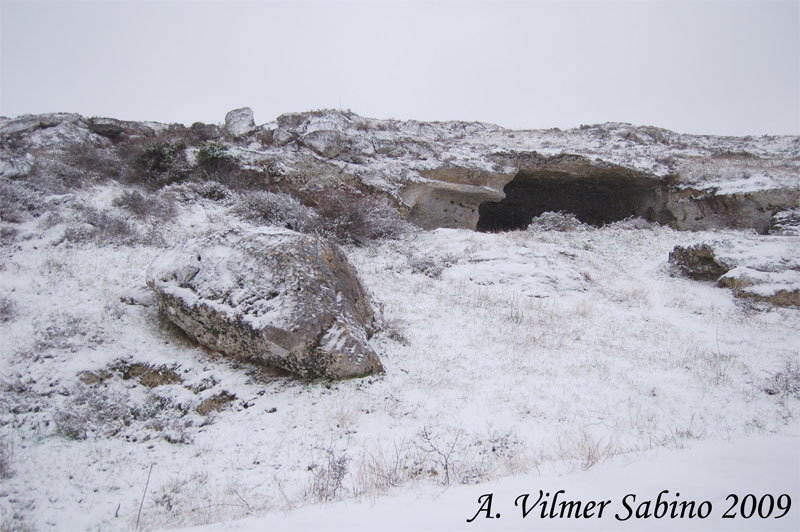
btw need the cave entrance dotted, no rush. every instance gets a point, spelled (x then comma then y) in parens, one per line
(594, 199)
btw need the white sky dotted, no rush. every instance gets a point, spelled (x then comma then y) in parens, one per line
(701, 67)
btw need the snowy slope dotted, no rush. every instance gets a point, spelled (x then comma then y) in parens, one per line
(569, 359)
(711, 471)
(520, 353)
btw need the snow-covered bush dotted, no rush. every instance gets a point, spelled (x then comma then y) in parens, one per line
(18, 203)
(101, 412)
(278, 209)
(356, 217)
(556, 221)
(425, 265)
(91, 164)
(784, 382)
(7, 235)
(162, 208)
(7, 309)
(5, 459)
(159, 164)
(102, 227)
(214, 161)
(328, 477)
(93, 410)
(631, 223)
(211, 190)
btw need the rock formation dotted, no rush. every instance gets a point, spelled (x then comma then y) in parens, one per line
(240, 122)
(470, 175)
(758, 268)
(270, 296)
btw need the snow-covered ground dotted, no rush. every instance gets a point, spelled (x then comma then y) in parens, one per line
(514, 362)
(712, 470)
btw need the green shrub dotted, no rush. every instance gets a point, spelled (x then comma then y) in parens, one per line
(214, 161)
(160, 163)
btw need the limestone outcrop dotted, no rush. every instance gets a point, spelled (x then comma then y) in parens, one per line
(462, 174)
(270, 296)
(761, 268)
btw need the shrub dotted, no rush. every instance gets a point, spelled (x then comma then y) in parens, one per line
(94, 410)
(205, 132)
(7, 309)
(18, 203)
(278, 209)
(784, 382)
(94, 164)
(159, 164)
(427, 266)
(214, 161)
(632, 222)
(5, 459)
(102, 227)
(101, 411)
(356, 217)
(7, 235)
(62, 331)
(143, 206)
(556, 221)
(443, 453)
(328, 477)
(212, 191)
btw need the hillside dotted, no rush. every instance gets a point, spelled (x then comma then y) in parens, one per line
(515, 342)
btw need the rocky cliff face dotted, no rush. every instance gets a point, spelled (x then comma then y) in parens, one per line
(443, 174)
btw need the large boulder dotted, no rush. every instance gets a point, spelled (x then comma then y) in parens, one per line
(240, 121)
(271, 296)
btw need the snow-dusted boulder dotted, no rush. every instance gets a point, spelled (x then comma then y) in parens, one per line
(271, 296)
(112, 128)
(764, 268)
(15, 166)
(240, 121)
(698, 262)
(326, 143)
(785, 223)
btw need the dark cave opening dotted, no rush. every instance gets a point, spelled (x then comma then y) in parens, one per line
(594, 199)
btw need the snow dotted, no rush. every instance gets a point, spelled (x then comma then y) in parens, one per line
(513, 362)
(704, 471)
(726, 165)
(546, 359)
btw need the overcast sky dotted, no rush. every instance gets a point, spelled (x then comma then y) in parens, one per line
(701, 67)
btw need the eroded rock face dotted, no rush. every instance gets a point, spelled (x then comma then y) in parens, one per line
(272, 296)
(472, 175)
(113, 129)
(764, 268)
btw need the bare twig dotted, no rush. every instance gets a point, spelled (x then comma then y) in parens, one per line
(249, 510)
(143, 496)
